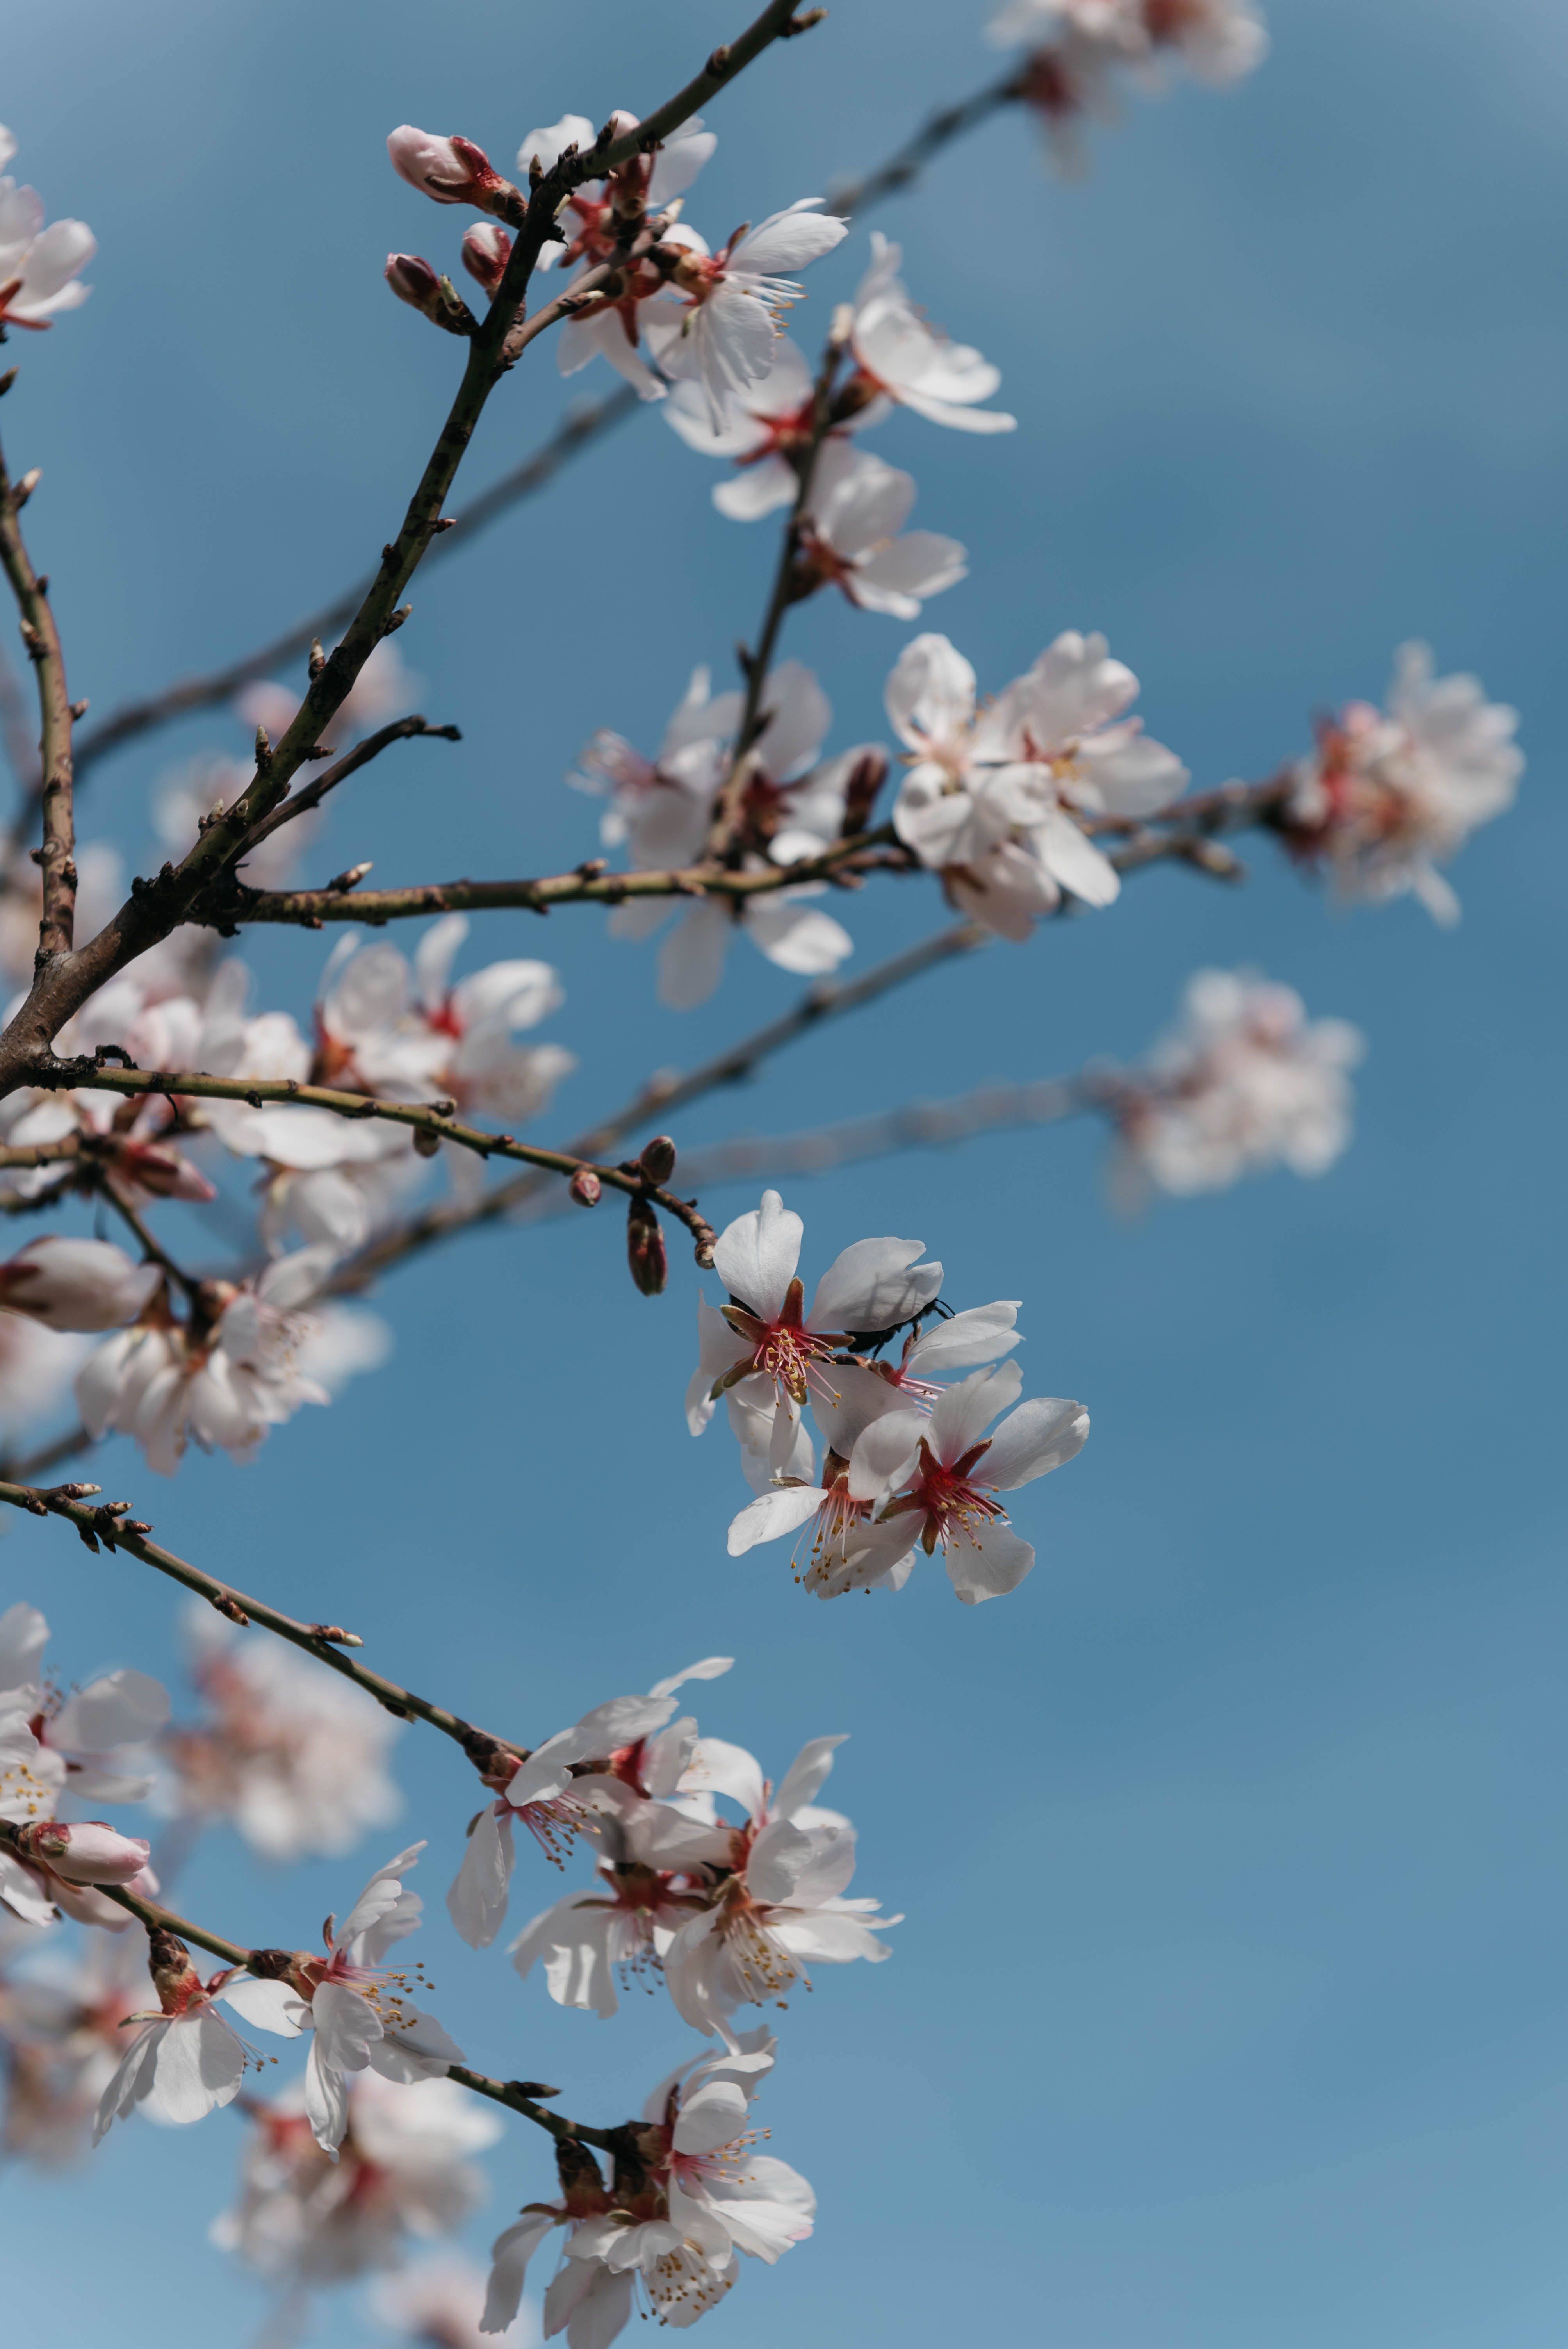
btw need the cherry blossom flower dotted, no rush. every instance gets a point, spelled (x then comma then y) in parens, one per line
(850, 538)
(70, 1284)
(404, 2168)
(994, 796)
(61, 2032)
(662, 811)
(723, 332)
(950, 1473)
(901, 356)
(764, 1338)
(439, 2303)
(187, 2059)
(1078, 46)
(1245, 1083)
(1383, 798)
(293, 1756)
(633, 1739)
(696, 2195)
(765, 428)
(220, 1379)
(782, 1907)
(32, 1779)
(100, 1731)
(38, 265)
(358, 2013)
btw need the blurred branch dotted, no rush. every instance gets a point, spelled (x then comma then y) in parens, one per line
(56, 927)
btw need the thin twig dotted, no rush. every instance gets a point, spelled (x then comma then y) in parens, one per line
(152, 1247)
(402, 729)
(57, 929)
(905, 164)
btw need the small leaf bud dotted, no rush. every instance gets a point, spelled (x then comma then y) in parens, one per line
(586, 1187)
(645, 1248)
(658, 1159)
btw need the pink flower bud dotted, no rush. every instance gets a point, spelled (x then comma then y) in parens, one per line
(586, 1187)
(645, 1253)
(658, 1159)
(76, 1284)
(487, 249)
(412, 280)
(87, 1852)
(449, 171)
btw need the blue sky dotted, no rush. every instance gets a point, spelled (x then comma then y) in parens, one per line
(1229, 2009)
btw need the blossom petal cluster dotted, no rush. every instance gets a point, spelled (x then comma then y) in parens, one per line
(1079, 53)
(40, 268)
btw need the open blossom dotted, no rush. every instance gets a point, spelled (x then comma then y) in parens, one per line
(39, 266)
(100, 1732)
(1081, 48)
(668, 2230)
(764, 1346)
(781, 1908)
(219, 1380)
(76, 1284)
(792, 808)
(1245, 1083)
(718, 324)
(764, 429)
(61, 2039)
(901, 356)
(187, 2059)
(293, 1756)
(633, 1739)
(1385, 797)
(941, 1475)
(405, 2168)
(358, 2013)
(852, 1546)
(857, 508)
(994, 794)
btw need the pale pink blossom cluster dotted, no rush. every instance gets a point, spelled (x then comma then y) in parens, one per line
(1079, 53)
(1245, 1081)
(39, 268)
(907, 1463)
(1388, 795)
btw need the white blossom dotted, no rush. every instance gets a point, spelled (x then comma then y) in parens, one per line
(358, 2013)
(60, 2029)
(902, 357)
(70, 1284)
(1385, 797)
(723, 331)
(293, 1756)
(39, 266)
(996, 796)
(763, 429)
(405, 2168)
(184, 2063)
(764, 1342)
(1245, 1083)
(857, 508)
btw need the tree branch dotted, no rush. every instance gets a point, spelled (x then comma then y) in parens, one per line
(906, 164)
(57, 930)
(402, 729)
(155, 909)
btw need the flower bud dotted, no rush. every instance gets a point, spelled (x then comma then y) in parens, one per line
(645, 1248)
(414, 280)
(586, 1187)
(658, 1159)
(87, 1852)
(449, 171)
(76, 1284)
(487, 249)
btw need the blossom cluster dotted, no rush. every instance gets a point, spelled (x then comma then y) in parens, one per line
(1079, 53)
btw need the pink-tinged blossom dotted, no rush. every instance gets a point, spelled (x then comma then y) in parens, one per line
(764, 429)
(668, 2236)
(358, 2013)
(293, 1756)
(61, 2036)
(1245, 1083)
(437, 2303)
(405, 2168)
(996, 795)
(1383, 798)
(765, 1343)
(68, 1284)
(721, 331)
(449, 171)
(850, 539)
(633, 1739)
(187, 2059)
(487, 249)
(39, 266)
(782, 1909)
(662, 810)
(1081, 50)
(85, 1851)
(100, 1735)
(945, 1473)
(902, 357)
